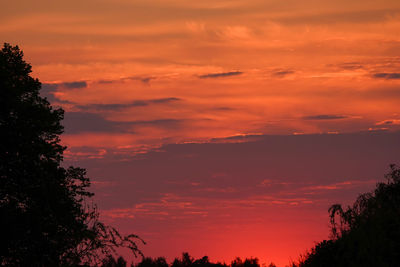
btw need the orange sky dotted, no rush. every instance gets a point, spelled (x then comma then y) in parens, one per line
(285, 64)
(136, 76)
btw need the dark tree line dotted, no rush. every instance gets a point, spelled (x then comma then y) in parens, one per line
(46, 218)
(185, 261)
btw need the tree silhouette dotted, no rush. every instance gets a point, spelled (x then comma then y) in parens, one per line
(188, 261)
(366, 233)
(110, 261)
(149, 262)
(185, 261)
(45, 216)
(252, 262)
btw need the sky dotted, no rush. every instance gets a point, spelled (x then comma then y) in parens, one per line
(222, 128)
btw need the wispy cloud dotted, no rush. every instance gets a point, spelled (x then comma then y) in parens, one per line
(340, 185)
(167, 204)
(49, 87)
(136, 103)
(164, 100)
(220, 75)
(143, 79)
(161, 123)
(356, 17)
(81, 84)
(350, 66)
(85, 152)
(389, 122)
(325, 117)
(68, 85)
(115, 106)
(387, 75)
(282, 73)
(79, 122)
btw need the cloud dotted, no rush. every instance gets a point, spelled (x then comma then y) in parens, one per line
(387, 75)
(165, 204)
(144, 79)
(223, 108)
(220, 75)
(389, 122)
(375, 129)
(389, 92)
(79, 122)
(71, 85)
(105, 81)
(363, 16)
(112, 106)
(136, 103)
(325, 117)
(164, 100)
(350, 65)
(282, 73)
(237, 138)
(48, 90)
(51, 87)
(85, 152)
(161, 123)
(341, 185)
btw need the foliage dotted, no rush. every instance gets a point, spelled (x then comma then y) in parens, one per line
(187, 261)
(149, 262)
(366, 233)
(110, 261)
(252, 262)
(46, 219)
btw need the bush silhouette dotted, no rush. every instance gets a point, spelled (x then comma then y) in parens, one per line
(366, 233)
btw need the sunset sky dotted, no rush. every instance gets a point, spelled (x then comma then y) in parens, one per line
(220, 127)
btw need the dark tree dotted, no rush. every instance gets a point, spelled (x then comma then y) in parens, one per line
(186, 261)
(110, 261)
(149, 262)
(252, 262)
(202, 262)
(366, 233)
(45, 216)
